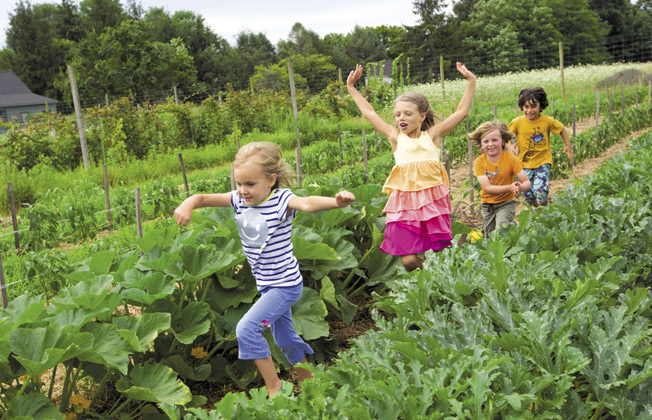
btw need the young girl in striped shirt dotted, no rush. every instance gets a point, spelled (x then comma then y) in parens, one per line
(263, 215)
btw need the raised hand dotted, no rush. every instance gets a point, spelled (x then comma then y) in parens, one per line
(464, 71)
(354, 75)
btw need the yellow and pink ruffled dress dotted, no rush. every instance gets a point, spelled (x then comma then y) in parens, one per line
(419, 206)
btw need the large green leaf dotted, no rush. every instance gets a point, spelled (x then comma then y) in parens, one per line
(309, 315)
(306, 250)
(198, 263)
(22, 310)
(381, 267)
(194, 320)
(146, 287)
(101, 262)
(108, 347)
(162, 236)
(40, 349)
(187, 370)
(145, 328)
(156, 383)
(33, 406)
(90, 294)
(157, 260)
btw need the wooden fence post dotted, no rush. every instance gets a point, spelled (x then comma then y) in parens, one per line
(339, 135)
(597, 114)
(611, 96)
(107, 201)
(364, 156)
(14, 220)
(232, 177)
(377, 141)
(183, 173)
(3, 286)
(561, 70)
(441, 76)
(78, 115)
(296, 120)
(470, 151)
(574, 120)
(139, 222)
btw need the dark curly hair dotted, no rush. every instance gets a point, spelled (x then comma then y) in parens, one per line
(533, 95)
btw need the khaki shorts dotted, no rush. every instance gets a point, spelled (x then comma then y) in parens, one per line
(495, 215)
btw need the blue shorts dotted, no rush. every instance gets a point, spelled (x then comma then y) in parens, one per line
(274, 310)
(539, 177)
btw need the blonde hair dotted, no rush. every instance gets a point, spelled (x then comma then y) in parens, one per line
(423, 106)
(486, 128)
(270, 158)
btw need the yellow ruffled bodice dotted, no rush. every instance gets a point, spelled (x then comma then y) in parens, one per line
(417, 165)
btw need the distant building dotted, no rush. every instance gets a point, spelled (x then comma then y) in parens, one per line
(381, 71)
(16, 100)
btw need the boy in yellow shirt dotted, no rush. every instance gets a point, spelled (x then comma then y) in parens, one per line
(495, 171)
(532, 130)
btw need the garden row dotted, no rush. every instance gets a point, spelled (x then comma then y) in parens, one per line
(546, 319)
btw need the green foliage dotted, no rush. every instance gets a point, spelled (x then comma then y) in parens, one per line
(546, 319)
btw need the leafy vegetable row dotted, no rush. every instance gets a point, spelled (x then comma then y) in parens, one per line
(546, 319)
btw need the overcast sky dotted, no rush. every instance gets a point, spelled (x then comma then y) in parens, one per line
(274, 18)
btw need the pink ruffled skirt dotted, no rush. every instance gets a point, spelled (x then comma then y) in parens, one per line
(417, 221)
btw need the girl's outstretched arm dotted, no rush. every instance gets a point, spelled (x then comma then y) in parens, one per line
(315, 203)
(367, 110)
(440, 130)
(183, 213)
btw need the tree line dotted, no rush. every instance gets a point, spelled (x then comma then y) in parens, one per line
(121, 49)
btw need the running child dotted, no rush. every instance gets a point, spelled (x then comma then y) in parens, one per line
(419, 206)
(495, 171)
(263, 214)
(532, 130)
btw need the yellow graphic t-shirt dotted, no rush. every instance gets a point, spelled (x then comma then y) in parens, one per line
(499, 173)
(533, 139)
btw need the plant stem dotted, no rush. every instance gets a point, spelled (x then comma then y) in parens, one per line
(117, 410)
(65, 395)
(99, 388)
(54, 376)
(350, 276)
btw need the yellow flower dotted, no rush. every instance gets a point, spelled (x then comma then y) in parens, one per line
(198, 352)
(71, 416)
(475, 235)
(80, 401)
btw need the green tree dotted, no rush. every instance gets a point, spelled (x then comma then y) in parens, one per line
(581, 29)
(391, 37)
(6, 59)
(203, 45)
(313, 72)
(427, 40)
(252, 50)
(98, 15)
(300, 41)
(36, 59)
(121, 60)
(505, 34)
(364, 46)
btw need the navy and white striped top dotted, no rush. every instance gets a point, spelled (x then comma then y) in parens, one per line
(266, 234)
